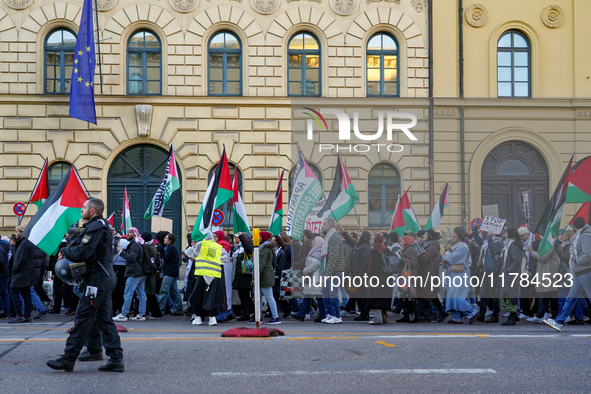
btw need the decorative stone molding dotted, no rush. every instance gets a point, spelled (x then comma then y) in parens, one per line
(385, 1)
(184, 6)
(344, 7)
(143, 115)
(237, 1)
(446, 112)
(265, 7)
(105, 5)
(553, 16)
(476, 15)
(584, 113)
(419, 5)
(18, 4)
(311, 1)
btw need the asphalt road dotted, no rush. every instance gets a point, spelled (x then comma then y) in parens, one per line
(173, 356)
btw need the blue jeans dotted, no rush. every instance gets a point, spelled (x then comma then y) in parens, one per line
(321, 307)
(305, 307)
(132, 285)
(331, 298)
(344, 296)
(268, 293)
(170, 287)
(579, 308)
(4, 297)
(580, 283)
(36, 301)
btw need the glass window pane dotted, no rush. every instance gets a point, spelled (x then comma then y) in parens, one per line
(521, 90)
(312, 61)
(312, 88)
(233, 74)
(505, 41)
(151, 41)
(375, 205)
(216, 73)
(233, 60)
(153, 87)
(67, 87)
(135, 73)
(232, 42)
(69, 40)
(391, 88)
(521, 59)
(54, 39)
(153, 59)
(297, 42)
(312, 74)
(390, 174)
(295, 60)
(295, 88)
(217, 42)
(216, 87)
(390, 61)
(373, 74)
(373, 88)
(391, 194)
(376, 174)
(389, 43)
(519, 41)
(50, 86)
(504, 58)
(504, 89)
(521, 74)
(295, 74)
(504, 74)
(52, 57)
(68, 72)
(153, 73)
(233, 88)
(135, 59)
(310, 42)
(390, 74)
(375, 192)
(137, 40)
(216, 60)
(373, 61)
(375, 44)
(53, 72)
(122, 170)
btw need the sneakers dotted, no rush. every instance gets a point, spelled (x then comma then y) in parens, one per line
(553, 324)
(522, 316)
(212, 321)
(41, 315)
(547, 315)
(273, 321)
(489, 313)
(20, 319)
(332, 320)
(535, 319)
(506, 314)
(326, 319)
(154, 318)
(120, 317)
(567, 319)
(250, 321)
(61, 364)
(197, 321)
(138, 318)
(298, 317)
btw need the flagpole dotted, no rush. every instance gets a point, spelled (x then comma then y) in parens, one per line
(183, 206)
(81, 181)
(98, 44)
(355, 210)
(20, 218)
(389, 213)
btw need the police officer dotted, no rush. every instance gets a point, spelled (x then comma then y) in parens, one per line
(95, 249)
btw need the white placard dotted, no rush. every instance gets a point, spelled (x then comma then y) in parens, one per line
(493, 225)
(490, 210)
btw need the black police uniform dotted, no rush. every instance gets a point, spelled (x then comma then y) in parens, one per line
(95, 246)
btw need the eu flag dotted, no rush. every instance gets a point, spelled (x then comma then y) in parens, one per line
(82, 83)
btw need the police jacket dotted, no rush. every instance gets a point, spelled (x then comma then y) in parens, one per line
(95, 246)
(133, 255)
(23, 268)
(39, 261)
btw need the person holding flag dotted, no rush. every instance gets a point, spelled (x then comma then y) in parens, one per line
(169, 185)
(276, 223)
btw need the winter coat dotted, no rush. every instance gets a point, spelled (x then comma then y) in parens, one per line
(133, 255)
(296, 251)
(312, 286)
(409, 256)
(244, 281)
(172, 261)
(428, 267)
(380, 297)
(547, 268)
(267, 274)
(39, 261)
(281, 263)
(288, 255)
(583, 262)
(151, 279)
(4, 271)
(335, 258)
(511, 266)
(305, 250)
(23, 267)
(361, 255)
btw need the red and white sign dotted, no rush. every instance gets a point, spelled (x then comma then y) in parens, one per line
(217, 218)
(19, 208)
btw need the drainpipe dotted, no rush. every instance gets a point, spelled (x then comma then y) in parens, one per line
(431, 111)
(462, 152)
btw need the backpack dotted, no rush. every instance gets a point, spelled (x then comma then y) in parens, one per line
(147, 263)
(390, 262)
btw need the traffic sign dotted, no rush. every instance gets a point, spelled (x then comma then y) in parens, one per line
(217, 218)
(476, 222)
(19, 208)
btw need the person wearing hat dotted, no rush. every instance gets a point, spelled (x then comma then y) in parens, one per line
(23, 275)
(136, 279)
(150, 288)
(511, 265)
(243, 280)
(4, 277)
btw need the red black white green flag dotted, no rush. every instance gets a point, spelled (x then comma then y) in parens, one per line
(435, 218)
(169, 185)
(579, 184)
(342, 197)
(240, 220)
(408, 222)
(276, 223)
(125, 214)
(40, 192)
(583, 212)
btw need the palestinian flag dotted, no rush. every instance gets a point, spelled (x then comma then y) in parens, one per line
(305, 193)
(435, 218)
(125, 214)
(111, 219)
(40, 192)
(342, 197)
(276, 223)
(411, 222)
(240, 222)
(58, 214)
(555, 216)
(579, 184)
(169, 185)
(218, 192)
(398, 225)
(583, 212)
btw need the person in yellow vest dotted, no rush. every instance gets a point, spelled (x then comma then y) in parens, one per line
(208, 295)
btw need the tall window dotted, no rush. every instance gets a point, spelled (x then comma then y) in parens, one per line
(292, 176)
(303, 65)
(513, 65)
(226, 207)
(144, 64)
(382, 66)
(59, 45)
(383, 184)
(225, 65)
(55, 173)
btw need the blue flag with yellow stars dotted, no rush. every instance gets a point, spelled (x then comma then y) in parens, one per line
(82, 83)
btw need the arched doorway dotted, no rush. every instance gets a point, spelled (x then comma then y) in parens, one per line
(509, 169)
(141, 168)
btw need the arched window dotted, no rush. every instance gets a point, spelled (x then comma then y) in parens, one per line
(383, 188)
(144, 63)
(59, 47)
(225, 65)
(55, 174)
(292, 176)
(226, 207)
(513, 65)
(382, 66)
(303, 65)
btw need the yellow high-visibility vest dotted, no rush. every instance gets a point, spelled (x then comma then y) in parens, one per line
(208, 263)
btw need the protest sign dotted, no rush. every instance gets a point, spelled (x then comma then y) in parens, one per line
(490, 210)
(492, 225)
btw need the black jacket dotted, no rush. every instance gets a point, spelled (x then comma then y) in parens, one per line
(95, 245)
(171, 260)
(133, 256)
(4, 271)
(281, 263)
(243, 281)
(361, 255)
(39, 261)
(23, 268)
(512, 265)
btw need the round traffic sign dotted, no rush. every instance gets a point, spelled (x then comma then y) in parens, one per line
(475, 222)
(217, 217)
(19, 208)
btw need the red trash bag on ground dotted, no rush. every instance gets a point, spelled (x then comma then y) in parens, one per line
(244, 332)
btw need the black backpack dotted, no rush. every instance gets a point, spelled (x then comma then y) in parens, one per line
(147, 263)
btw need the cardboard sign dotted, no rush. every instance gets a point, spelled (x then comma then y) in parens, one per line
(490, 210)
(161, 224)
(492, 225)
